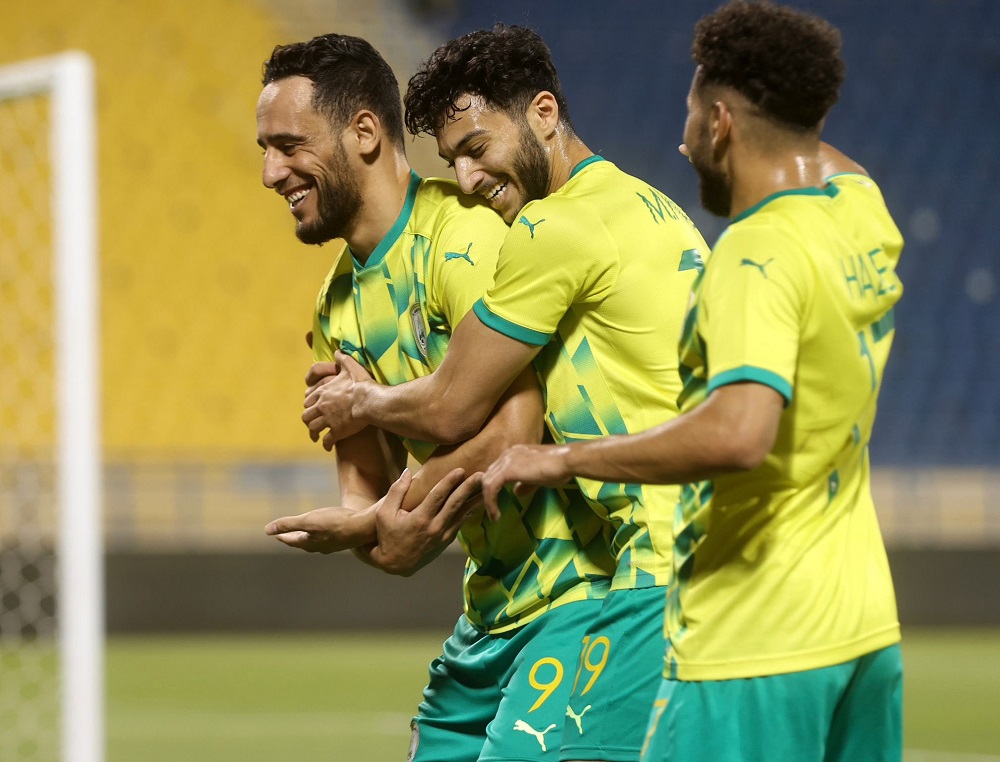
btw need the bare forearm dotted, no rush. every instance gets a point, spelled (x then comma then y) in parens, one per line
(733, 431)
(418, 409)
(517, 419)
(451, 404)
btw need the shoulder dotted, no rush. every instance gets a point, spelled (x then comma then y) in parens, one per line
(441, 203)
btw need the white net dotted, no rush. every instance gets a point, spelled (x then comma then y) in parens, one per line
(29, 689)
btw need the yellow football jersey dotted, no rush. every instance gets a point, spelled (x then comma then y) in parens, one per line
(599, 273)
(783, 569)
(394, 314)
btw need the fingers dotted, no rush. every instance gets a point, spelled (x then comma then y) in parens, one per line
(438, 496)
(393, 499)
(321, 370)
(287, 524)
(460, 503)
(492, 482)
(355, 369)
(309, 339)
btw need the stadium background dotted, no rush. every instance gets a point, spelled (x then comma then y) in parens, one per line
(205, 297)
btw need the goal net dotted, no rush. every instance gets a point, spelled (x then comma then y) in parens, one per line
(51, 588)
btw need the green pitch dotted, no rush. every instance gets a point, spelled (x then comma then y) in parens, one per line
(341, 697)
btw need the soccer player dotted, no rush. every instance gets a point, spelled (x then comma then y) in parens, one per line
(591, 287)
(418, 255)
(783, 635)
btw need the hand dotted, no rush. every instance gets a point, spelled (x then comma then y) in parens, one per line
(524, 465)
(325, 530)
(329, 399)
(409, 540)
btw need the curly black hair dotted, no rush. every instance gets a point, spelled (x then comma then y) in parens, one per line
(784, 61)
(348, 75)
(507, 66)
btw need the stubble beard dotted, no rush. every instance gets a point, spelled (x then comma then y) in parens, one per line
(531, 168)
(337, 207)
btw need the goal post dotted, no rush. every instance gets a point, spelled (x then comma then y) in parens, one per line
(67, 82)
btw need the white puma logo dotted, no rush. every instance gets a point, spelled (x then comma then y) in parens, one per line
(540, 735)
(577, 718)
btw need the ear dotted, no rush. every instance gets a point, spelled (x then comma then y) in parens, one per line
(543, 114)
(720, 128)
(364, 133)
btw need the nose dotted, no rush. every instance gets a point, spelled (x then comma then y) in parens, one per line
(468, 175)
(274, 170)
(684, 150)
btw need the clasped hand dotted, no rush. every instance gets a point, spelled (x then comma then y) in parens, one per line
(386, 535)
(329, 399)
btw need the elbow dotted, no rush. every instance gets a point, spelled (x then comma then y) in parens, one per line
(450, 426)
(741, 452)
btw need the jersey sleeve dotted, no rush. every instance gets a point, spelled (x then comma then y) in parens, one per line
(756, 291)
(554, 256)
(465, 256)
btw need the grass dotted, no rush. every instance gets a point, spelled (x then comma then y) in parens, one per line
(344, 697)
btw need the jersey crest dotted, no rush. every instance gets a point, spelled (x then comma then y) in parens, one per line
(417, 318)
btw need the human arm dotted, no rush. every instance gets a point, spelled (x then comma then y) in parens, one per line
(448, 406)
(402, 534)
(733, 430)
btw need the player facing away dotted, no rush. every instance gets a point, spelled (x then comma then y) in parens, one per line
(782, 626)
(590, 287)
(418, 254)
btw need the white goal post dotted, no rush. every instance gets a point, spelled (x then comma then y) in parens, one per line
(67, 80)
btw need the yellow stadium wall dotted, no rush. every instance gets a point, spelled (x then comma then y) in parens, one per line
(205, 292)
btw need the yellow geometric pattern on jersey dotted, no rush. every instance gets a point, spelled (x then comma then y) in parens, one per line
(783, 569)
(599, 274)
(395, 315)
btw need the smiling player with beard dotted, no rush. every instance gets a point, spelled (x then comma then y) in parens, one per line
(590, 288)
(418, 254)
(781, 617)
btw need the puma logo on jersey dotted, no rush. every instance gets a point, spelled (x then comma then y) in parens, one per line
(577, 718)
(450, 255)
(531, 225)
(760, 267)
(538, 734)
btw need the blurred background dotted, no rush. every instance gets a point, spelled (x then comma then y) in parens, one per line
(205, 297)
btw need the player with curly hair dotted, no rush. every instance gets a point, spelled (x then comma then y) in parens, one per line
(781, 615)
(591, 286)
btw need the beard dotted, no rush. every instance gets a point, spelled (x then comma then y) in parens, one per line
(531, 167)
(714, 190)
(337, 205)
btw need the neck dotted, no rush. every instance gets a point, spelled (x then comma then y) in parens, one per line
(384, 185)
(566, 150)
(759, 175)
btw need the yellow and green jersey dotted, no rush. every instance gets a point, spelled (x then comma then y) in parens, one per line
(395, 314)
(783, 569)
(598, 274)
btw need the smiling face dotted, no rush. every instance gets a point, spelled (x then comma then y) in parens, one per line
(305, 161)
(715, 190)
(495, 156)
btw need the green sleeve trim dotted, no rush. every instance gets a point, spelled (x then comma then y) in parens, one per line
(757, 376)
(884, 325)
(507, 328)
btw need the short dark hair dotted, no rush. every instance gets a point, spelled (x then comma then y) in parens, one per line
(784, 61)
(506, 66)
(348, 75)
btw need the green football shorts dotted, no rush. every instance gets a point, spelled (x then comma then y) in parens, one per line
(619, 670)
(502, 698)
(850, 712)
